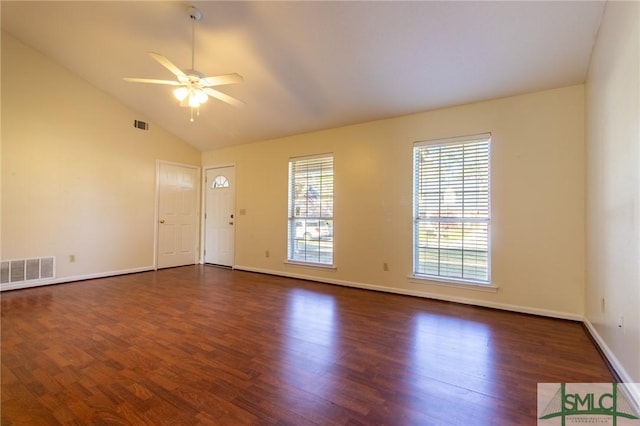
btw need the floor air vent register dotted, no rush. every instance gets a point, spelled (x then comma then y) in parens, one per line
(22, 270)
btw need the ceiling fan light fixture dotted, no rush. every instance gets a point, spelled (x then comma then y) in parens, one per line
(201, 96)
(181, 93)
(194, 102)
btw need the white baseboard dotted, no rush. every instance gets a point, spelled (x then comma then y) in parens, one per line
(38, 283)
(426, 294)
(615, 363)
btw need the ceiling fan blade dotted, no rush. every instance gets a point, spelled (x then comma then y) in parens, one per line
(220, 80)
(167, 64)
(223, 97)
(152, 80)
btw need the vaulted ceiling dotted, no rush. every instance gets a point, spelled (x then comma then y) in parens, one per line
(312, 65)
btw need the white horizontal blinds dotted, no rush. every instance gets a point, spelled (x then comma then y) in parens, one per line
(311, 210)
(451, 229)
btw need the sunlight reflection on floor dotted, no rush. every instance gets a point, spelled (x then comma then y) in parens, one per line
(469, 371)
(310, 347)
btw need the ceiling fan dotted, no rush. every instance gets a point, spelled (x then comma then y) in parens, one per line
(193, 87)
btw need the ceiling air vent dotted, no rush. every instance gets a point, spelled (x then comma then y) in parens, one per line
(140, 125)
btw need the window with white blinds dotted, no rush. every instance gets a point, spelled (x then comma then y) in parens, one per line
(310, 238)
(451, 209)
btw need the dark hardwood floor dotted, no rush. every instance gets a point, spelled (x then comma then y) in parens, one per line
(203, 345)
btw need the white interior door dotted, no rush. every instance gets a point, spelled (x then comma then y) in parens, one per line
(220, 216)
(177, 215)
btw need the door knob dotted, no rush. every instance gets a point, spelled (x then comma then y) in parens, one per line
(161, 220)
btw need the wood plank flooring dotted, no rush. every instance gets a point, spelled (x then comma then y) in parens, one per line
(204, 345)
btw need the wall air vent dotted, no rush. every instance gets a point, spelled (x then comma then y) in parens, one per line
(140, 125)
(22, 270)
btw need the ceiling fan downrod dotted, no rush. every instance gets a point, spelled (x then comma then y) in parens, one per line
(195, 15)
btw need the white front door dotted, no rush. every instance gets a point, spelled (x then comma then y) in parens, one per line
(177, 215)
(220, 217)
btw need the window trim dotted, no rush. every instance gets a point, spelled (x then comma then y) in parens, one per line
(452, 282)
(290, 260)
(439, 279)
(331, 267)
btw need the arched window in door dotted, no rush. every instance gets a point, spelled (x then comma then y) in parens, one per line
(220, 182)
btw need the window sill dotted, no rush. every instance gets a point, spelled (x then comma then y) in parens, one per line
(451, 282)
(310, 265)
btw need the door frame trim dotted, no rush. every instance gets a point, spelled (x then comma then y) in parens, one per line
(203, 210)
(156, 214)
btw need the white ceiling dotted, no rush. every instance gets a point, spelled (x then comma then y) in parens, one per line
(312, 65)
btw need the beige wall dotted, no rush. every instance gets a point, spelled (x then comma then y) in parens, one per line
(77, 177)
(613, 185)
(537, 172)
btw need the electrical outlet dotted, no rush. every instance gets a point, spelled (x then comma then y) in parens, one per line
(72, 258)
(267, 253)
(385, 266)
